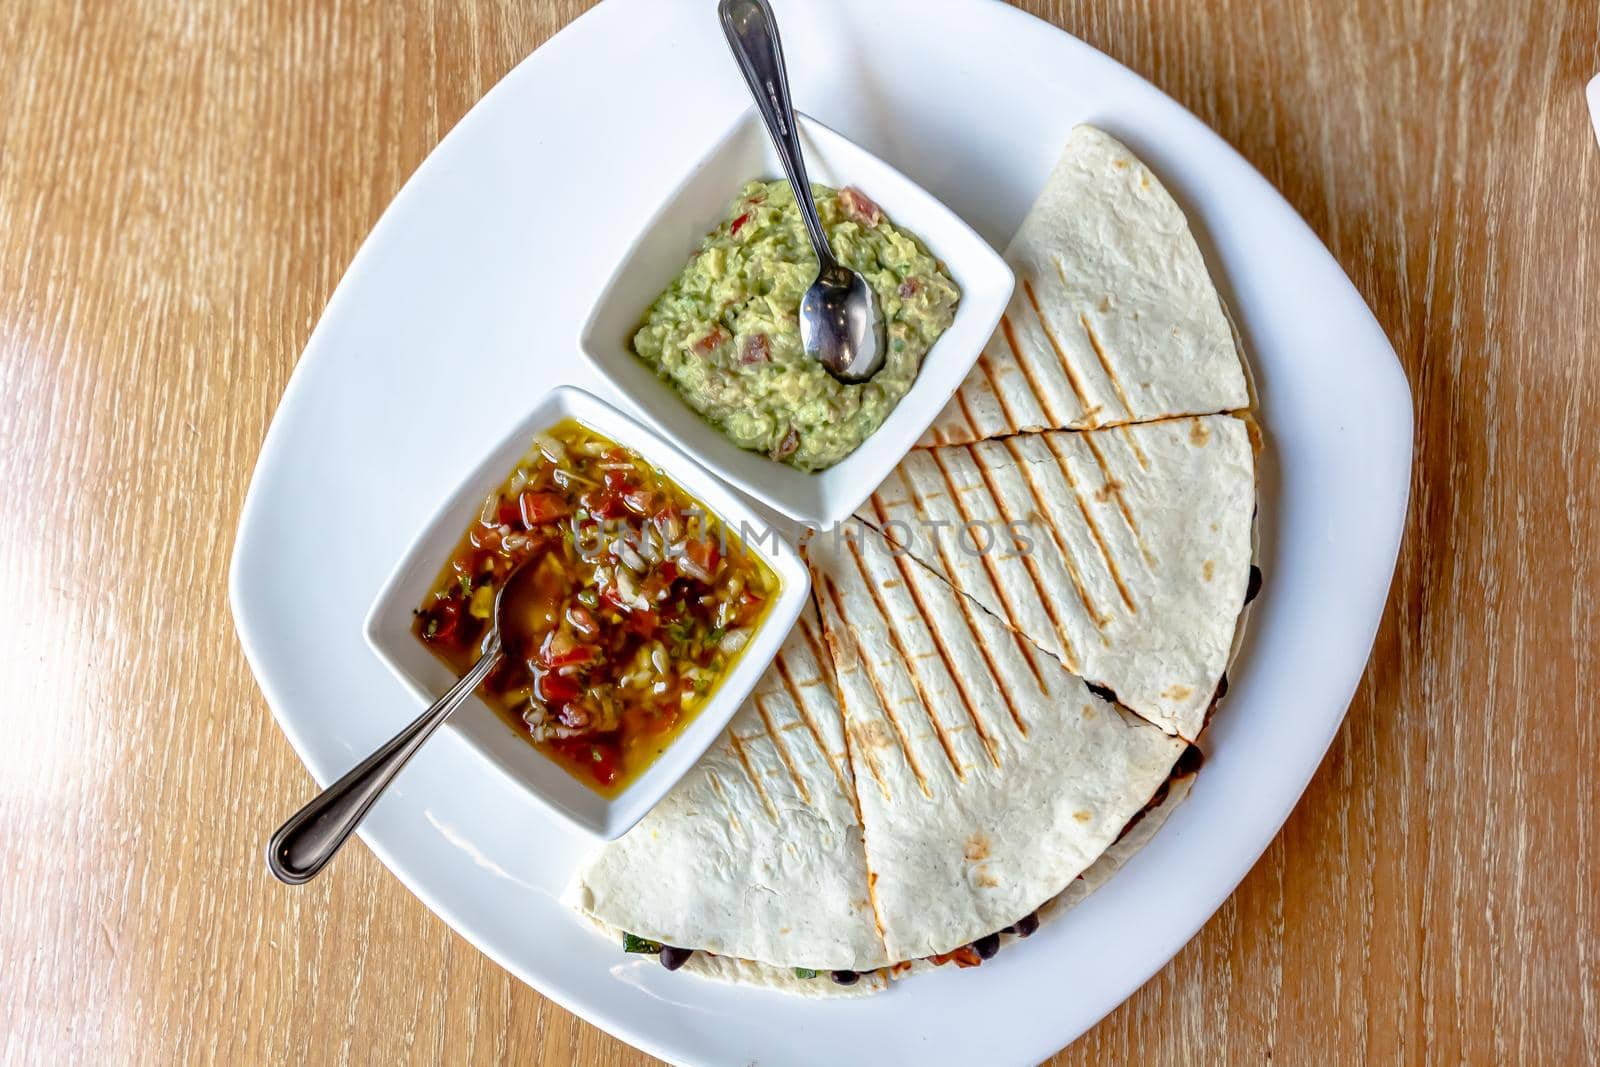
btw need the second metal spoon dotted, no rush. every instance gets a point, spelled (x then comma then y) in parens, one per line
(840, 323)
(304, 845)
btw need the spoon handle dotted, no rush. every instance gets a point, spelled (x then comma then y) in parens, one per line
(752, 35)
(304, 845)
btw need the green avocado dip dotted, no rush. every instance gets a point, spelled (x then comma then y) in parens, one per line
(726, 333)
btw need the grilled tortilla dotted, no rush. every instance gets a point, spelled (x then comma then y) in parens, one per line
(757, 854)
(1133, 839)
(988, 777)
(1134, 836)
(1123, 552)
(1115, 318)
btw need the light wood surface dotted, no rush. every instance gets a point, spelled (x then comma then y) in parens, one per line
(181, 185)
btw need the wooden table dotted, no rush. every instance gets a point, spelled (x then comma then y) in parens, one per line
(181, 185)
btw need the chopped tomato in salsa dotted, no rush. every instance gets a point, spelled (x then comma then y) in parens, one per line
(641, 604)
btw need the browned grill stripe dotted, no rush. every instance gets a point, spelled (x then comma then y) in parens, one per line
(928, 705)
(755, 781)
(722, 794)
(880, 513)
(776, 736)
(1115, 488)
(806, 720)
(872, 892)
(1094, 528)
(1105, 364)
(1138, 453)
(988, 564)
(1009, 332)
(1069, 655)
(949, 665)
(966, 604)
(1061, 546)
(1094, 343)
(872, 769)
(872, 677)
(1066, 364)
(966, 416)
(824, 661)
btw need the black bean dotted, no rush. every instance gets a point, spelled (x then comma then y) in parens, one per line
(673, 958)
(844, 977)
(986, 946)
(1104, 692)
(1189, 762)
(1026, 925)
(1222, 688)
(1254, 587)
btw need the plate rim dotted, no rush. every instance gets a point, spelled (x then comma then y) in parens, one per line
(1395, 407)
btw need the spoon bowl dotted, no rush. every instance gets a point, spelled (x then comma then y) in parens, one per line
(841, 325)
(305, 843)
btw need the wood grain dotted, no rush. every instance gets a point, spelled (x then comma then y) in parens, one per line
(181, 185)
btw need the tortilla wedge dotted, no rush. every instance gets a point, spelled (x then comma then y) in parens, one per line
(757, 854)
(1123, 552)
(1133, 839)
(1135, 836)
(735, 971)
(1115, 318)
(988, 777)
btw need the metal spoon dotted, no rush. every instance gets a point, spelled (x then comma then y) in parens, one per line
(840, 324)
(304, 845)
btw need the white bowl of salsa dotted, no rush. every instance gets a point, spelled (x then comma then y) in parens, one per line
(640, 625)
(700, 205)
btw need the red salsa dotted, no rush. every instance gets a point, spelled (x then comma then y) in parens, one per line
(641, 603)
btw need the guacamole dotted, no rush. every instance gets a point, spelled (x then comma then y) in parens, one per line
(726, 333)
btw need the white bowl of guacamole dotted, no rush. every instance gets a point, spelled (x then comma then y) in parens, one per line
(725, 334)
(696, 327)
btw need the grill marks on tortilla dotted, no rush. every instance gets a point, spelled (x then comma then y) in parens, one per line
(1041, 509)
(722, 794)
(1113, 489)
(944, 657)
(968, 860)
(1013, 423)
(1104, 249)
(1094, 341)
(1140, 548)
(749, 772)
(785, 676)
(863, 656)
(1056, 446)
(1073, 379)
(989, 565)
(916, 508)
(916, 675)
(776, 801)
(776, 737)
(886, 605)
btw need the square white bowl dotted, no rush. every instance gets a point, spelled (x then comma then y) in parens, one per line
(388, 625)
(693, 210)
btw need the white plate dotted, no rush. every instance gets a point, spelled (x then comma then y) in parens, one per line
(388, 626)
(485, 266)
(692, 209)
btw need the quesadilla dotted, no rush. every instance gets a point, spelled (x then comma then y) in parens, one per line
(987, 776)
(1135, 835)
(1125, 553)
(1138, 833)
(1115, 318)
(757, 854)
(794, 981)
